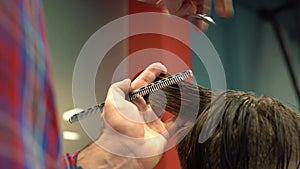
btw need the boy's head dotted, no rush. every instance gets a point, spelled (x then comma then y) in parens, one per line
(254, 133)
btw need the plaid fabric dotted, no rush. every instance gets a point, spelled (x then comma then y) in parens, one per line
(28, 127)
(70, 161)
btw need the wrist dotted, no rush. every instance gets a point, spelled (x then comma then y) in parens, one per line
(146, 153)
(96, 157)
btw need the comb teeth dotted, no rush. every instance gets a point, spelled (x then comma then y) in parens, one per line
(174, 79)
(85, 113)
(160, 84)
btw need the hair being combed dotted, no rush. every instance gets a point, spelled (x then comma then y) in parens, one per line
(253, 132)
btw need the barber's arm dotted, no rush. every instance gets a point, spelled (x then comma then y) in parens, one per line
(133, 136)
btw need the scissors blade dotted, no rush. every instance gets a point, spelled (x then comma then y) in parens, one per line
(205, 18)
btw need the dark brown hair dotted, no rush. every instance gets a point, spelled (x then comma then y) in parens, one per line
(253, 131)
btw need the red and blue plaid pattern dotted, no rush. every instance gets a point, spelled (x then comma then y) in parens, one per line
(29, 135)
(71, 161)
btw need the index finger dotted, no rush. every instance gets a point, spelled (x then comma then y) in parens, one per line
(148, 75)
(203, 7)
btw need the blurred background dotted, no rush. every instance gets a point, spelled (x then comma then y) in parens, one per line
(246, 43)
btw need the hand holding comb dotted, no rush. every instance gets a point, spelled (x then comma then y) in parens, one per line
(143, 91)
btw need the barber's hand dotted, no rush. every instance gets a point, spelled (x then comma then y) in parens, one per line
(148, 134)
(187, 8)
(133, 137)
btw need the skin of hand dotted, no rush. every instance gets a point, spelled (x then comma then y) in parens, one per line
(187, 8)
(132, 119)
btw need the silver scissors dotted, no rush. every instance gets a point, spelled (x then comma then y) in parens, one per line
(205, 18)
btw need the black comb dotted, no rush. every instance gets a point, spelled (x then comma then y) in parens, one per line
(143, 91)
